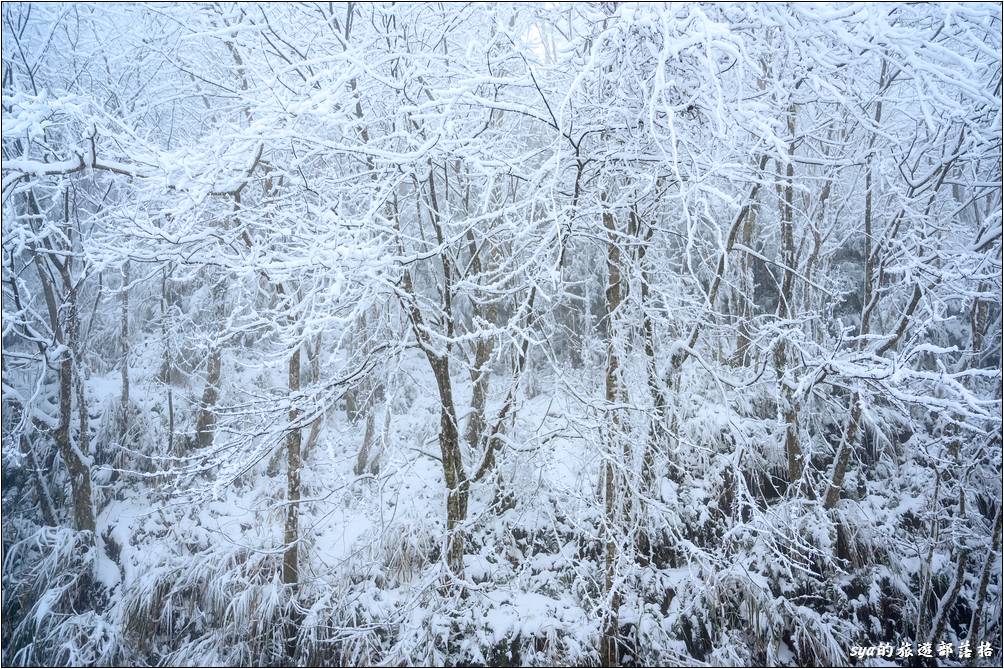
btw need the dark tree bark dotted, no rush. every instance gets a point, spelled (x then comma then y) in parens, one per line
(205, 423)
(291, 535)
(608, 644)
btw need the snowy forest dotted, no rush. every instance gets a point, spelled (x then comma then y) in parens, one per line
(509, 334)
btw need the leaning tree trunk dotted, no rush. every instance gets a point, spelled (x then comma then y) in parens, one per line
(844, 454)
(46, 506)
(976, 621)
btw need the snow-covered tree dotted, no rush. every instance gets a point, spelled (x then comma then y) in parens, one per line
(615, 333)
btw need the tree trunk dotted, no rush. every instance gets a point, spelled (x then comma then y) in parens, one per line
(205, 424)
(290, 558)
(869, 299)
(362, 460)
(481, 378)
(352, 408)
(457, 484)
(167, 364)
(45, 504)
(657, 425)
(74, 455)
(792, 448)
(314, 375)
(741, 356)
(351, 405)
(608, 645)
(844, 454)
(374, 466)
(976, 621)
(66, 331)
(124, 345)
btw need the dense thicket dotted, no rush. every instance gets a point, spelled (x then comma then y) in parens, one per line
(513, 334)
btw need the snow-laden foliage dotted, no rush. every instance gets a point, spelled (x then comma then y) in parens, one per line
(529, 334)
